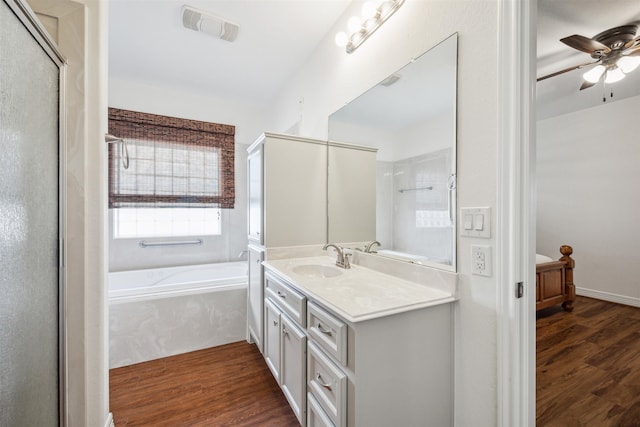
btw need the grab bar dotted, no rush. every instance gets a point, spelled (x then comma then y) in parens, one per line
(145, 244)
(415, 189)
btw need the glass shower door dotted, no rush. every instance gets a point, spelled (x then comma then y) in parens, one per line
(29, 226)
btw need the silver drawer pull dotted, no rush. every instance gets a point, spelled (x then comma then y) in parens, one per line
(281, 295)
(322, 383)
(323, 330)
(285, 332)
(275, 323)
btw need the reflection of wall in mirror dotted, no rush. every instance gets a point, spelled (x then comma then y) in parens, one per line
(412, 198)
(396, 144)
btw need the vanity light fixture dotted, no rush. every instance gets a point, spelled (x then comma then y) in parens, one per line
(360, 28)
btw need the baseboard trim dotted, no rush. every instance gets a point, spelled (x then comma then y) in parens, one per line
(109, 422)
(607, 296)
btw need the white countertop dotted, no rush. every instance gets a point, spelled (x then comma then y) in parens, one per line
(359, 293)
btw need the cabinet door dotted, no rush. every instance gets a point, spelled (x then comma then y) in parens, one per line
(255, 296)
(351, 188)
(295, 192)
(293, 376)
(272, 338)
(255, 194)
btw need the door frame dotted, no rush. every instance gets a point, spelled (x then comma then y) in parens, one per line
(516, 343)
(33, 24)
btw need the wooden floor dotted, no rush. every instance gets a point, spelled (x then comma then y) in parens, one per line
(223, 386)
(588, 374)
(588, 365)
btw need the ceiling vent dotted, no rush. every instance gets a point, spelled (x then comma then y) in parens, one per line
(207, 23)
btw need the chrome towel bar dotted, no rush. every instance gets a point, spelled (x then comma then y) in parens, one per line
(145, 244)
(415, 189)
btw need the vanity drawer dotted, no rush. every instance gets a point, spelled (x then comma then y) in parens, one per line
(315, 414)
(328, 331)
(286, 298)
(328, 384)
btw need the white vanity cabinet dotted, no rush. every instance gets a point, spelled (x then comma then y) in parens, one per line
(370, 369)
(398, 371)
(293, 378)
(287, 178)
(272, 332)
(254, 194)
(287, 206)
(255, 295)
(285, 343)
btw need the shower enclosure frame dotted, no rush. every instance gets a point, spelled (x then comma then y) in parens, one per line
(34, 26)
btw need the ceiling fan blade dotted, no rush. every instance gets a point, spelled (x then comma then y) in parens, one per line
(586, 85)
(633, 51)
(566, 70)
(632, 43)
(585, 44)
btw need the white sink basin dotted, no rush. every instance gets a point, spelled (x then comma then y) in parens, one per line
(316, 271)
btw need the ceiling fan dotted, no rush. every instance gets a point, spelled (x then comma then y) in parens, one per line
(616, 52)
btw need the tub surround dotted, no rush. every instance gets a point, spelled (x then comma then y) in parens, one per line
(147, 330)
(359, 293)
(157, 313)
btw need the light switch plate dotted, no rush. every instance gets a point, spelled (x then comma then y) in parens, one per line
(480, 225)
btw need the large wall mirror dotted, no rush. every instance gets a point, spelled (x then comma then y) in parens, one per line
(410, 117)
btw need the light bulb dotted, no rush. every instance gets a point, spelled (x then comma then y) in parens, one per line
(369, 24)
(614, 74)
(341, 39)
(369, 10)
(354, 24)
(385, 7)
(628, 63)
(594, 74)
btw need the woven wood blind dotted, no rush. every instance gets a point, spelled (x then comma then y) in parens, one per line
(172, 162)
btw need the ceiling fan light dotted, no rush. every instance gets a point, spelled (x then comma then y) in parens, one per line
(614, 74)
(628, 63)
(594, 74)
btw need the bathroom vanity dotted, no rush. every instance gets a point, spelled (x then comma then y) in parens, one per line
(357, 347)
(296, 186)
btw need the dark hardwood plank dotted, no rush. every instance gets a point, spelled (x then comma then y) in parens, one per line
(588, 365)
(228, 385)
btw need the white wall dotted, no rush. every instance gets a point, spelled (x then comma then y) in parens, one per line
(249, 120)
(587, 197)
(393, 146)
(331, 77)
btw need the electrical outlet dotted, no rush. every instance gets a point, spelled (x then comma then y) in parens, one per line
(481, 260)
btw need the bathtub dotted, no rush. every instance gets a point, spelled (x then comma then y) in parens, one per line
(162, 312)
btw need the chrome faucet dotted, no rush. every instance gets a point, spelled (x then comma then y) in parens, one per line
(342, 259)
(368, 247)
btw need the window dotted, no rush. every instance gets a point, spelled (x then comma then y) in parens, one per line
(162, 222)
(180, 174)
